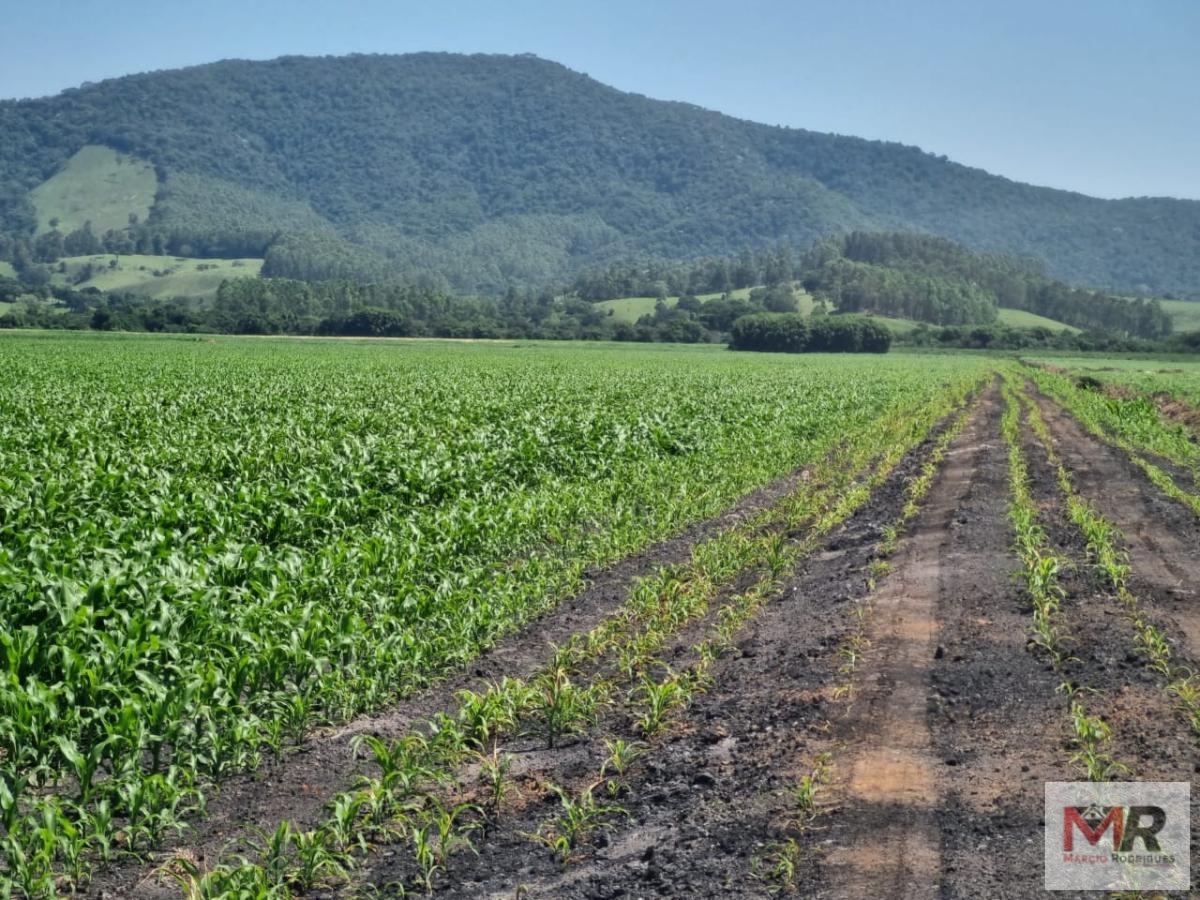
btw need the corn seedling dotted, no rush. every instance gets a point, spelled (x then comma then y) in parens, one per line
(578, 818)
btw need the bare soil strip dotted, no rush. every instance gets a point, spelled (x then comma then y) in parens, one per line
(944, 798)
(298, 786)
(884, 839)
(995, 718)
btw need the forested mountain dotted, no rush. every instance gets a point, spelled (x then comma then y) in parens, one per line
(489, 171)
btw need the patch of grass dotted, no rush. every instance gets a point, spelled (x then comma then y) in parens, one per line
(158, 276)
(21, 303)
(97, 185)
(1014, 318)
(630, 309)
(1019, 318)
(1185, 314)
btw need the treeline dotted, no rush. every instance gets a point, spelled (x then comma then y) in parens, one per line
(1004, 337)
(33, 257)
(934, 280)
(285, 306)
(861, 287)
(793, 333)
(394, 309)
(664, 278)
(279, 305)
(317, 257)
(288, 306)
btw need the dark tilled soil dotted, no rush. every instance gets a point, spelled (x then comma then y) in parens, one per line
(1161, 535)
(996, 722)
(706, 799)
(298, 786)
(949, 804)
(1150, 738)
(883, 837)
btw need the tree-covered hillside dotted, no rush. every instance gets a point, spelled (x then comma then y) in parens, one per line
(493, 170)
(934, 280)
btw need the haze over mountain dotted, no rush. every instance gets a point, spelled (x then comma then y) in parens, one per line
(495, 170)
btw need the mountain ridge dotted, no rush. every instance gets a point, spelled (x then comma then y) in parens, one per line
(490, 169)
(698, 107)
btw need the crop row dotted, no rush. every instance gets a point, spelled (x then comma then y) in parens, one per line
(1177, 380)
(1104, 547)
(1041, 570)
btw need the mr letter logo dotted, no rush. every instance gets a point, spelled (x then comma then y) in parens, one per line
(1117, 836)
(1092, 823)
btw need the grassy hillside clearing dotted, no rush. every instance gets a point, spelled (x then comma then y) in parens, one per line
(1185, 314)
(97, 185)
(157, 276)
(1014, 318)
(630, 309)
(1019, 318)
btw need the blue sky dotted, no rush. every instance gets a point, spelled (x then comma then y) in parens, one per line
(1096, 96)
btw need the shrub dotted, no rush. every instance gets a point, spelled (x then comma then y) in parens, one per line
(792, 333)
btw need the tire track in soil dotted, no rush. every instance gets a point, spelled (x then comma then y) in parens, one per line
(1162, 537)
(996, 720)
(298, 786)
(707, 799)
(884, 838)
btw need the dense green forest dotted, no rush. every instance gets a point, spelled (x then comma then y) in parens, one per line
(931, 279)
(672, 278)
(479, 173)
(792, 333)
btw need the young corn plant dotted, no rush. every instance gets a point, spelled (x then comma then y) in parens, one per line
(406, 766)
(563, 707)
(621, 755)
(425, 854)
(317, 859)
(493, 772)
(1091, 734)
(805, 793)
(579, 817)
(778, 865)
(658, 699)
